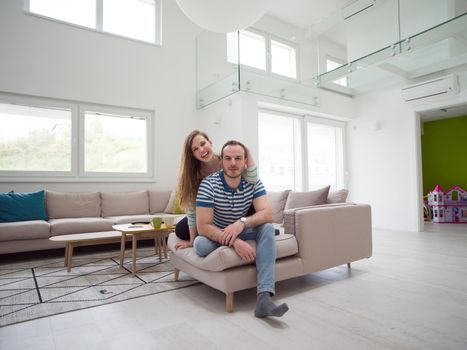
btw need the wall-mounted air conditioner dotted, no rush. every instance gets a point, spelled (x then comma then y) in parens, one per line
(446, 86)
(356, 7)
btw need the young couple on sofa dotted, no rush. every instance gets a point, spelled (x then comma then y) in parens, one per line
(217, 192)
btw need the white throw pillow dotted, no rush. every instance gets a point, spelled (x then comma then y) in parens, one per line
(277, 201)
(338, 196)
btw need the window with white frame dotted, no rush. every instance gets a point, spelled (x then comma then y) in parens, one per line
(324, 155)
(252, 50)
(279, 140)
(331, 64)
(60, 139)
(136, 19)
(283, 59)
(299, 152)
(35, 138)
(114, 143)
(261, 51)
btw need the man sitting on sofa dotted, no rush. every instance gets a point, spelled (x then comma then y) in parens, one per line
(222, 202)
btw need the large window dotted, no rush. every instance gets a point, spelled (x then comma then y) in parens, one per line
(279, 151)
(34, 138)
(324, 155)
(136, 19)
(261, 51)
(55, 140)
(300, 152)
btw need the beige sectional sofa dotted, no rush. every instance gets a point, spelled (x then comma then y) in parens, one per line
(312, 238)
(316, 234)
(82, 212)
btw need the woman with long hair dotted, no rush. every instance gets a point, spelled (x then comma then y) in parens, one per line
(198, 161)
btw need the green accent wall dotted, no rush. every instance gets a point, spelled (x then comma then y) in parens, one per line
(444, 153)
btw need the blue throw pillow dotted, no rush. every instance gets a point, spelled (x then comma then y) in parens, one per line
(22, 206)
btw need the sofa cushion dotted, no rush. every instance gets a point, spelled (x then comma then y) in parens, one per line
(22, 206)
(277, 201)
(338, 196)
(127, 219)
(124, 203)
(225, 257)
(24, 230)
(67, 226)
(73, 204)
(306, 199)
(158, 201)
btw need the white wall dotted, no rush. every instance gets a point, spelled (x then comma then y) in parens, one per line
(384, 157)
(211, 60)
(372, 29)
(428, 14)
(45, 58)
(381, 158)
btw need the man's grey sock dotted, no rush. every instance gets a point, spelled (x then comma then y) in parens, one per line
(266, 307)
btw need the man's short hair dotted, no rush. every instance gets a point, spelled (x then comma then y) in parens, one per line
(233, 143)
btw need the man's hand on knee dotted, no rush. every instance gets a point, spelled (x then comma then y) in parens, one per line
(231, 232)
(244, 250)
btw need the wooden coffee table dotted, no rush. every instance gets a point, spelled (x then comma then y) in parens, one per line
(142, 231)
(84, 239)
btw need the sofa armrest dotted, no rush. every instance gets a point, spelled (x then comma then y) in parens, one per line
(330, 235)
(289, 214)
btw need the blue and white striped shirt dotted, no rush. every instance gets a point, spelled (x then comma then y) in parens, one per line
(229, 205)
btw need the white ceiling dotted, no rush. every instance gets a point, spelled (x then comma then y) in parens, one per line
(305, 13)
(319, 17)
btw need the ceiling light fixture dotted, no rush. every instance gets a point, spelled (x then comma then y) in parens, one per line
(223, 16)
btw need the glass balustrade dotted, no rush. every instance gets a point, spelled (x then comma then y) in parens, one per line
(432, 37)
(378, 43)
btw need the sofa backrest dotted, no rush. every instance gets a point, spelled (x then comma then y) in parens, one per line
(124, 203)
(158, 201)
(72, 204)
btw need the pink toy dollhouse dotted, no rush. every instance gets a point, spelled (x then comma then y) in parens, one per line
(450, 206)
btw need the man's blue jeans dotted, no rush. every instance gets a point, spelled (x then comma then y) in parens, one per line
(264, 236)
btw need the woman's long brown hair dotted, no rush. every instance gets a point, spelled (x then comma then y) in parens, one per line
(190, 175)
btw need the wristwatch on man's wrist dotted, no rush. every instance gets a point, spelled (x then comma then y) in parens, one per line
(244, 221)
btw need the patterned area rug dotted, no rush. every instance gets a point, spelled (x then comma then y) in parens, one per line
(43, 287)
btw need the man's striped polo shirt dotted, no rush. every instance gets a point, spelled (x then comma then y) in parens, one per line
(229, 205)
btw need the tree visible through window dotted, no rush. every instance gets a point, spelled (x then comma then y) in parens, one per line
(34, 138)
(114, 143)
(51, 138)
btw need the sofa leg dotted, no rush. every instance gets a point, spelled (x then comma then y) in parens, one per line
(229, 302)
(176, 274)
(348, 265)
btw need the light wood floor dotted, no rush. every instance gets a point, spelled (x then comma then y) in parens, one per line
(412, 294)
